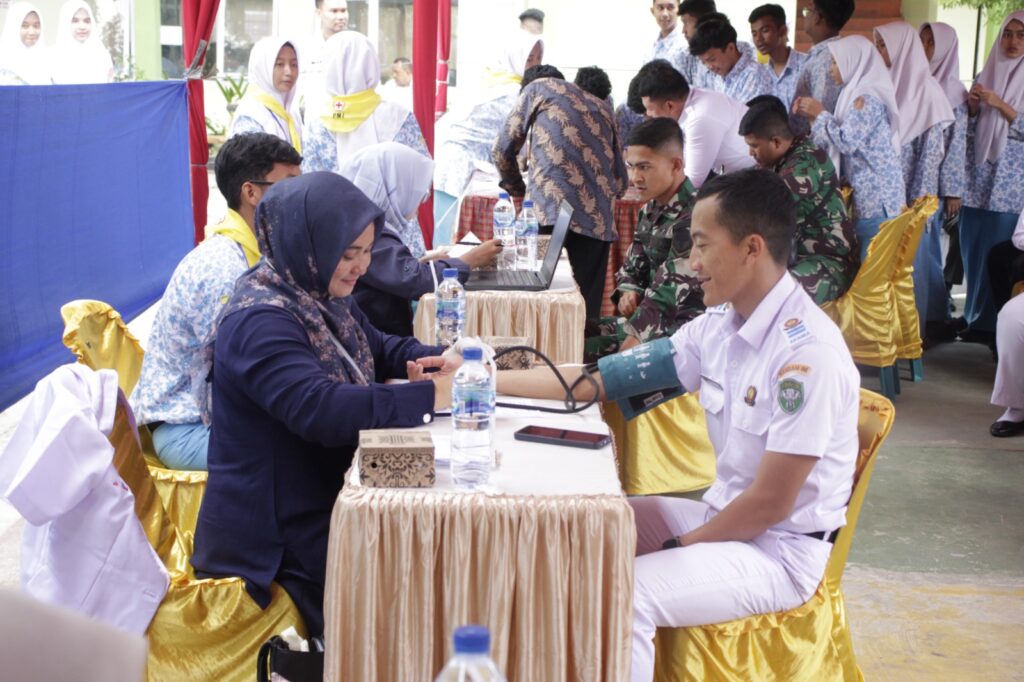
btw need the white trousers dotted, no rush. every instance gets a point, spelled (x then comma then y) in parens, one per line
(711, 582)
(1008, 390)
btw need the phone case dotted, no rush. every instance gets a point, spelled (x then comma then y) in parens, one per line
(532, 438)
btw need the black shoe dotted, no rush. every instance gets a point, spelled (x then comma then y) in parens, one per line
(1003, 429)
(978, 336)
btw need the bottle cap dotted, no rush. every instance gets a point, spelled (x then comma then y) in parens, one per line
(448, 273)
(527, 203)
(472, 639)
(502, 195)
(472, 353)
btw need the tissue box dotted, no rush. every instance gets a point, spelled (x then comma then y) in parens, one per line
(396, 458)
(519, 359)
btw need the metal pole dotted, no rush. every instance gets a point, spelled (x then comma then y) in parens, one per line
(977, 45)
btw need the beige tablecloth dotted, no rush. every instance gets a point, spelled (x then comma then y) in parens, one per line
(543, 557)
(552, 320)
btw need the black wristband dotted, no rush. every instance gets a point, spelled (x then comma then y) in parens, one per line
(671, 543)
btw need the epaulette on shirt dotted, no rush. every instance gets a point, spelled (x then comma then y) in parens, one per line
(796, 332)
(718, 309)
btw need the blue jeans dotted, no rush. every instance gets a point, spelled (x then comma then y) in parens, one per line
(182, 446)
(980, 230)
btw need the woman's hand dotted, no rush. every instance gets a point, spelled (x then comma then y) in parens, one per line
(979, 94)
(416, 370)
(808, 106)
(482, 255)
(442, 390)
(952, 206)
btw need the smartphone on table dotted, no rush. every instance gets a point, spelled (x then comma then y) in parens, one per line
(558, 436)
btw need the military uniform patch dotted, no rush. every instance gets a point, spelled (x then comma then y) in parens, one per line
(791, 395)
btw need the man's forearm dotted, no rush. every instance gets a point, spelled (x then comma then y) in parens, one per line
(540, 382)
(743, 519)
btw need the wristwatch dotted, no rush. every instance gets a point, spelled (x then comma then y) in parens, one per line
(671, 543)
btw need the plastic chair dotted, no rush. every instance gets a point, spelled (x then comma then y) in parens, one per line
(664, 450)
(100, 339)
(908, 335)
(867, 314)
(204, 629)
(810, 642)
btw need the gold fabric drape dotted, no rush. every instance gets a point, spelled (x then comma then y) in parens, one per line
(810, 643)
(664, 450)
(100, 339)
(908, 333)
(552, 577)
(551, 320)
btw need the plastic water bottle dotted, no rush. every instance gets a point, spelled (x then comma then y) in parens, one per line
(450, 302)
(526, 238)
(471, 662)
(505, 230)
(472, 421)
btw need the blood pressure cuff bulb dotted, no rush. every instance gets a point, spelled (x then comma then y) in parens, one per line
(642, 377)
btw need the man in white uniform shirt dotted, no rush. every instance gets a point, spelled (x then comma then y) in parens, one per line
(780, 393)
(332, 17)
(710, 121)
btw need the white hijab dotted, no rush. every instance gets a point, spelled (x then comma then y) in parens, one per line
(351, 66)
(920, 99)
(945, 62)
(261, 76)
(72, 62)
(396, 178)
(27, 63)
(863, 73)
(506, 68)
(1006, 77)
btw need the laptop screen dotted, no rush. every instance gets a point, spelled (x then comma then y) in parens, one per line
(547, 269)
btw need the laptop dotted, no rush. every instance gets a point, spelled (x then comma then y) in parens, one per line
(526, 280)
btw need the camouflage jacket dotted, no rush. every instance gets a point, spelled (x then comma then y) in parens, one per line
(673, 296)
(652, 240)
(824, 227)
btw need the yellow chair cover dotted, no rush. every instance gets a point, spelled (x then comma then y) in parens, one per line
(810, 642)
(664, 450)
(908, 333)
(100, 339)
(204, 629)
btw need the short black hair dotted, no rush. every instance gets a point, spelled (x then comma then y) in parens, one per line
(766, 119)
(696, 8)
(713, 16)
(775, 12)
(634, 101)
(755, 201)
(835, 12)
(715, 33)
(657, 134)
(404, 62)
(532, 13)
(540, 71)
(248, 157)
(594, 80)
(659, 80)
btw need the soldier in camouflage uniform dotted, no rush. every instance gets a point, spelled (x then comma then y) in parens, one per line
(656, 290)
(825, 259)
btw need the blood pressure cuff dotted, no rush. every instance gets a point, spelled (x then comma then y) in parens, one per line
(642, 377)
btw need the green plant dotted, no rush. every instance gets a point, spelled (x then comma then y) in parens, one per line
(994, 9)
(233, 89)
(215, 128)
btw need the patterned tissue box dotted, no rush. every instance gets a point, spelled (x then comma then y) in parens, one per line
(396, 458)
(519, 359)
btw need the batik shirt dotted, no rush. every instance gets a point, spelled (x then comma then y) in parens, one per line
(920, 159)
(825, 243)
(320, 147)
(815, 81)
(696, 74)
(674, 296)
(574, 155)
(997, 185)
(784, 84)
(869, 163)
(200, 286)
(746, 80)
(625, 120)
(468, 140)
(953, 171)
(672, 48)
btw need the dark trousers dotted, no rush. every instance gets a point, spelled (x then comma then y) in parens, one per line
(1005, 269)
(589, 260)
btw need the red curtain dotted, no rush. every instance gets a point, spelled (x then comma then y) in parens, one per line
(424, 59)
(197, 18)
(444, 52)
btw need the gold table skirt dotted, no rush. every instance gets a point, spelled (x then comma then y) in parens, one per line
(552, 577)
(551, 321)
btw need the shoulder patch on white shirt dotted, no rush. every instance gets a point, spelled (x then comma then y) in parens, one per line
(718, 309)
(796, 332)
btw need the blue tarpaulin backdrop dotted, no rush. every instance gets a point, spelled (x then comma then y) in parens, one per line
(94, 203)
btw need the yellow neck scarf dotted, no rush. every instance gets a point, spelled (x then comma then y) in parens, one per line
(492, 78)
(347, 112)
(237, 230)
(270, 102)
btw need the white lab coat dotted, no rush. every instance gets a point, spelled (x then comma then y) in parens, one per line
(83, 548)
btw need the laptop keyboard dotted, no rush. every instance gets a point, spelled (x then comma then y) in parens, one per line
(516, 277)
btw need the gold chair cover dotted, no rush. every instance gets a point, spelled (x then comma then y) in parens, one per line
(551, 577)
(908, 334)
(551, 320)
(809, 643)
(664, 450)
